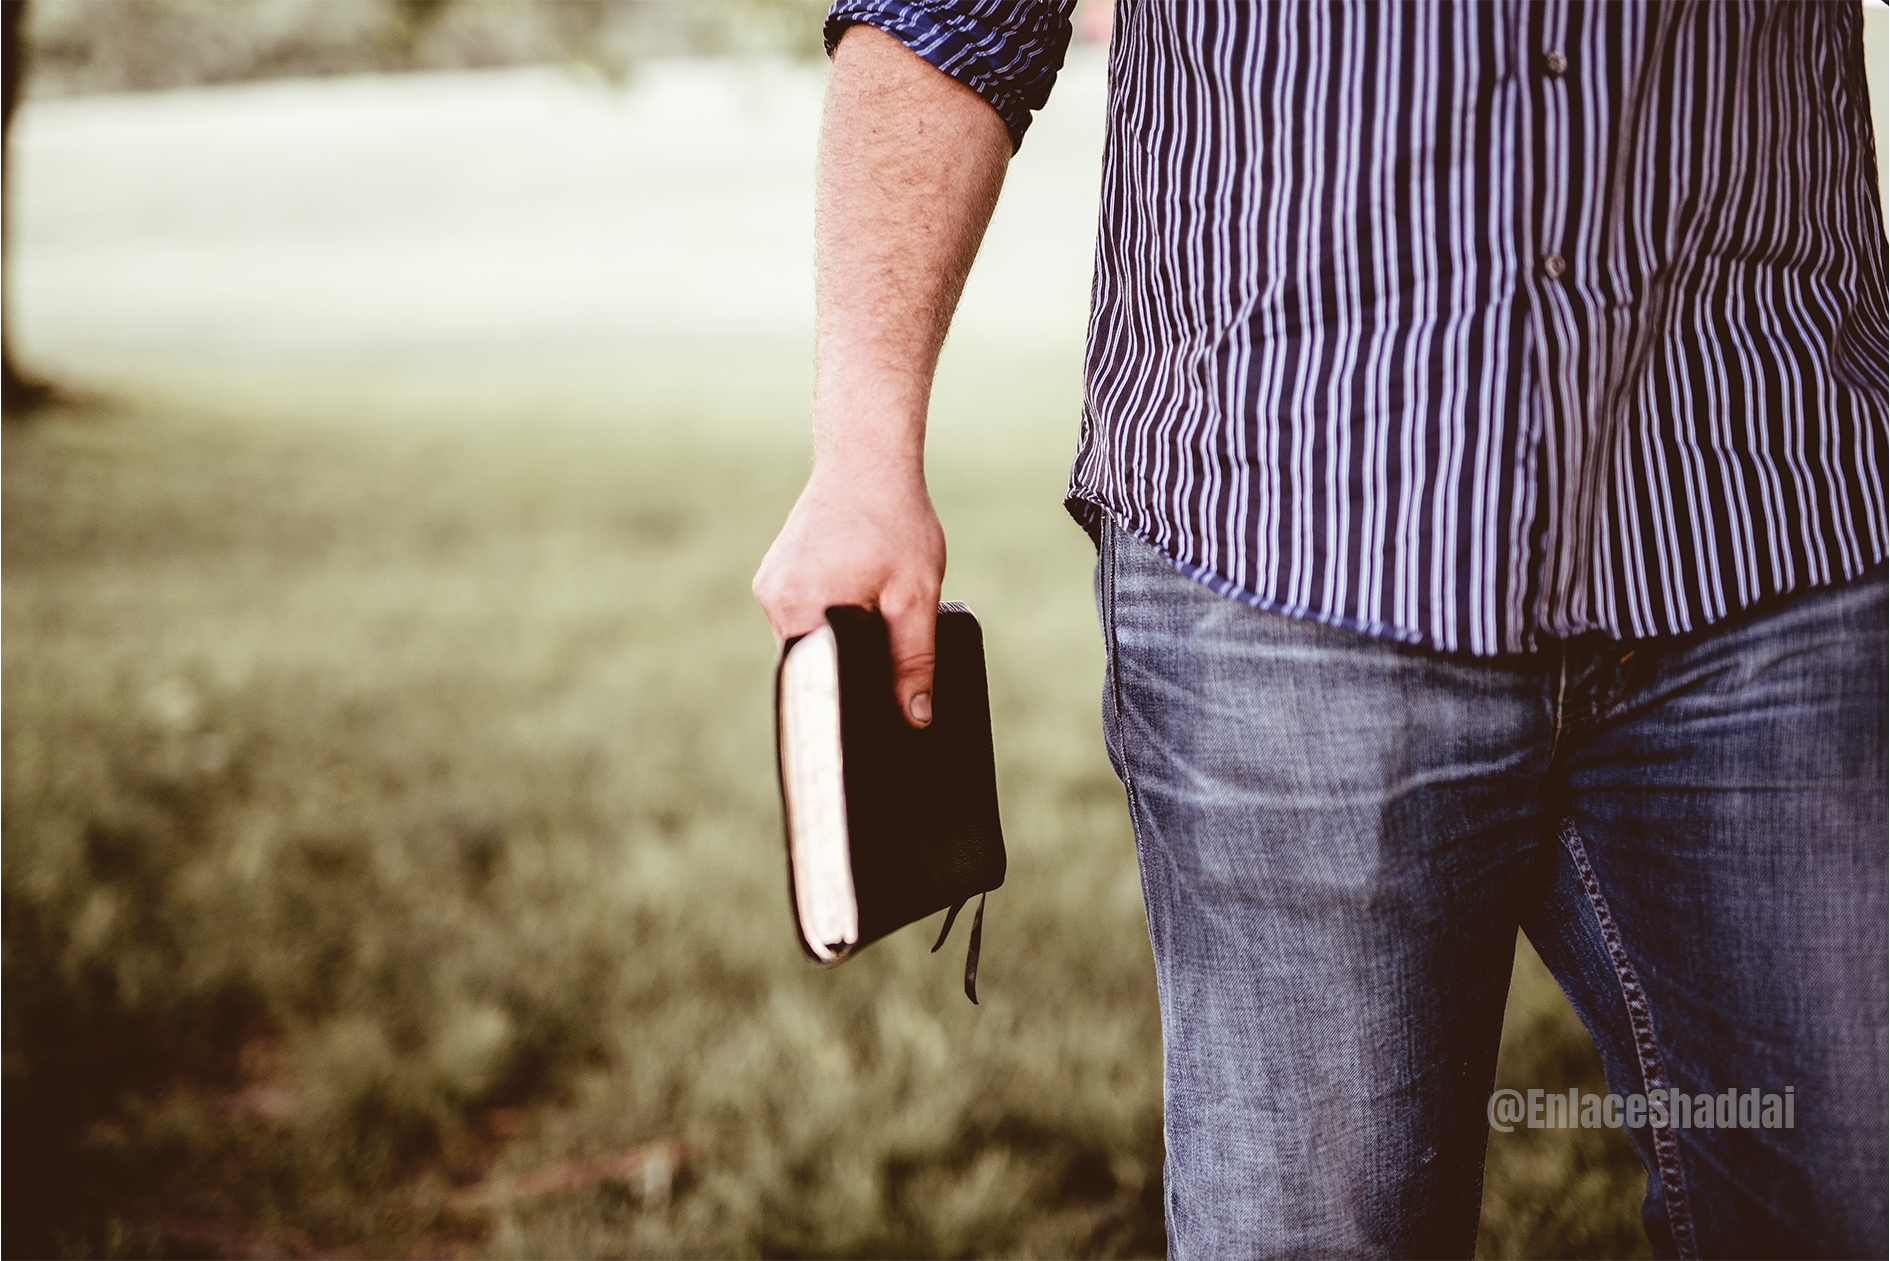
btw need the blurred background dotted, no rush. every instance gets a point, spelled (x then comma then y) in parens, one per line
(400, 395)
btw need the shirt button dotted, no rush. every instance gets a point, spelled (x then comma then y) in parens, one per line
(1555, 63)
(1554, 265)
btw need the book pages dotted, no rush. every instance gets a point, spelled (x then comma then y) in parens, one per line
(812, 774)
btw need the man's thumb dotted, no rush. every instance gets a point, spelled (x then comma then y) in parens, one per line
(913, 639)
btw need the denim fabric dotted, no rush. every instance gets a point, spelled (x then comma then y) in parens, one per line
(1340, 835)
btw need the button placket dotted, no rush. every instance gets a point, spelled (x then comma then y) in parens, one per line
(1554, 298)
(1555, 67)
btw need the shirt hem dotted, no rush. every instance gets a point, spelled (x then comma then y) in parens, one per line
(1090, 513)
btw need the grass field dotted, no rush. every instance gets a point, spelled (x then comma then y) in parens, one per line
(389, 815)
(391, 862)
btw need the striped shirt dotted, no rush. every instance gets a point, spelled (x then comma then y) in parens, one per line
(1472, 325)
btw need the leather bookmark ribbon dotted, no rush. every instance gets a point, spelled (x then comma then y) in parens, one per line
(971, 952)
(951, 917)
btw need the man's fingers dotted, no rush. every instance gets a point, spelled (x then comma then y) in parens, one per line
(790, 612)
(789, 621)
(911, 631)
(913, 635)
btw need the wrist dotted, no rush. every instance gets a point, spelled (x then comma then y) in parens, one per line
(850, 474)
(877, 444)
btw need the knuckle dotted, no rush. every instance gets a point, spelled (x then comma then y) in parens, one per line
(915, 664)
(903, 602)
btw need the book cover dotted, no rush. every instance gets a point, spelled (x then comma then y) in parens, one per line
(885, 824)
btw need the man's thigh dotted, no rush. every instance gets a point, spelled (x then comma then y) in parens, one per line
(1333, 833)
(1719, 919)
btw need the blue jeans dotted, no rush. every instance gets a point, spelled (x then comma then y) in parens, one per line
(1339, 837)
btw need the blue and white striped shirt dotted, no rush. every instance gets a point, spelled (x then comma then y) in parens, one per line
(1473, 324)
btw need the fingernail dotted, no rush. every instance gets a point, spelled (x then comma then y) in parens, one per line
(921, 707)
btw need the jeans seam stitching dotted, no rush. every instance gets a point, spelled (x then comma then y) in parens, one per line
(1110, 531)
(1646, 1051)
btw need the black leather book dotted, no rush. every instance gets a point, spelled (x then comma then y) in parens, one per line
(885, 824)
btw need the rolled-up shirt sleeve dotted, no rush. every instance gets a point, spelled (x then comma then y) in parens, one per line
(1007, 51)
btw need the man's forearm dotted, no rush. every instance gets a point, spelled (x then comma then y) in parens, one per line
(910, 167)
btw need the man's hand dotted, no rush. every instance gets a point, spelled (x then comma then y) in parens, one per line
(910, 166)
(872, 539)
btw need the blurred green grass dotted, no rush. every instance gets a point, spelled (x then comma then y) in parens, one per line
(388, 805)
